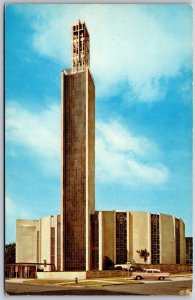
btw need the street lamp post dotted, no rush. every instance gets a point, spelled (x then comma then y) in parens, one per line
(45, 266)
(128, 267)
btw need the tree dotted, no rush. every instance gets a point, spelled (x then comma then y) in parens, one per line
(143, 254)
(107, 263)
(10, 253)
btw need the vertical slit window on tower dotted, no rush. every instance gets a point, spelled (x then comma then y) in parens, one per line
(121, 238)
(177, 235)
(155, 250)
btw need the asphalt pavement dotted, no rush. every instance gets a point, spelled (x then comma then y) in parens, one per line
(175, 286)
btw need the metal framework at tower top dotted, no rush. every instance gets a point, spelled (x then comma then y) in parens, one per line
(80, 47)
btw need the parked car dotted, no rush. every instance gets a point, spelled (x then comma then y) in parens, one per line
(150, 274)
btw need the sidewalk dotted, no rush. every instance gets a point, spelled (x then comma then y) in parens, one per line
(17, 280)
(181, 275)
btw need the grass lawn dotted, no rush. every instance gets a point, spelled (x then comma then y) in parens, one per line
(91, 282)
(63, 282)
(45, 281)
(88, 283)
(117, 279)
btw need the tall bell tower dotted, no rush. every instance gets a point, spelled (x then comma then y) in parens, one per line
(78, 155)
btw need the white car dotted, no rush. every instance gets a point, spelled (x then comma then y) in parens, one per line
(150, 274)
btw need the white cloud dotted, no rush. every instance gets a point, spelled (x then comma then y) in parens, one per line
(39, 132)
(14, 211)
(120, 155)
(126, 159)
(129, 43)
(115, 134)
(10, 207)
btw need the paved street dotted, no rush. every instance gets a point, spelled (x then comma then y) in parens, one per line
(174, 286)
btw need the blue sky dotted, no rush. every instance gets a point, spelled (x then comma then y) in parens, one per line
(141, 60)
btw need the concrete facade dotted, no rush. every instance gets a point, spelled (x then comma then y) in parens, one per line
(135, 234)
(45, 239)
(106, 237)
(167, 239)
(140, 235)
(26, 240)
(61, 275)
(34, 242)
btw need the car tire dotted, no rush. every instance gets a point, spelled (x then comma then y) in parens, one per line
(138, 278)
(161, 278)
